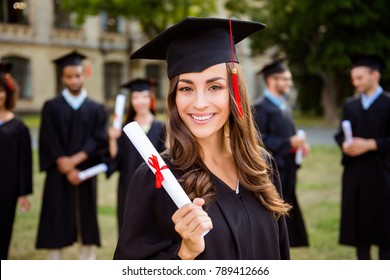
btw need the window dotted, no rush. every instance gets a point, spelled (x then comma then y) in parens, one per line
(113, 73)
(13, 11)
(110, 23)
(153, 71)
(21, 73)
(62, 18)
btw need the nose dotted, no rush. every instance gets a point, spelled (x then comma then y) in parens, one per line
(201, 101)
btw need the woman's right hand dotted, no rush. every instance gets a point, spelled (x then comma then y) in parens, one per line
(114, 133)
(191, 222)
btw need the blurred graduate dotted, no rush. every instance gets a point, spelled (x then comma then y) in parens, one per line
(214, 152)
(15, 159)
(366, 177)
(274, 119)
(72, 137)
(125, 157)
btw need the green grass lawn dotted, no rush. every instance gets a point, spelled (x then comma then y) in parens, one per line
(318, 194)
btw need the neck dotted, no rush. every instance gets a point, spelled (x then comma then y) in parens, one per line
(215, 147)
(146, 118)
(275, 93)
(371, 90)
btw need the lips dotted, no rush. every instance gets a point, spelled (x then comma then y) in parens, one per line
(202, 118)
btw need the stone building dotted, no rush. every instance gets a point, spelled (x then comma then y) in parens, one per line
(35, 32)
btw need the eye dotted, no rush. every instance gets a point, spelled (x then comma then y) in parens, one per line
(184, 89)
(215, 87)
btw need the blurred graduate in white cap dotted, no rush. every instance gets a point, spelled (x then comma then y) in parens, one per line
(214, 152)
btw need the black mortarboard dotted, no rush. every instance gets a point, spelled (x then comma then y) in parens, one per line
(73, 58)
(195, 44)
(373, 61)
(275, 67)
(5, 67)
(138, 85)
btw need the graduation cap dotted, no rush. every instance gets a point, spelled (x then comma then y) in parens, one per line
(372, 61)
(194, 44)
(5, 67)
(138, 85)
(275, 67)
(73, 58)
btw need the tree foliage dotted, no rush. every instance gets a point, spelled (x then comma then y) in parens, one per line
(317, 37)
(153, 15)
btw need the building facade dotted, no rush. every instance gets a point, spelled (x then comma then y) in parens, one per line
(33, 33)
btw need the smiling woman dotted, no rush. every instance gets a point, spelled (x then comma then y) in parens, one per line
(214, 152)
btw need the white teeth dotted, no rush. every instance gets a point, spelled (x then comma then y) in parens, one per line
(201, 118)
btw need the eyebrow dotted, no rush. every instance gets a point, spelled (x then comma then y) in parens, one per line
(208, 81)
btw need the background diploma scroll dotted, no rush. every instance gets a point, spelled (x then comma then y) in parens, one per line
(92, 171)
(347, 129)
(299, 153)
(146, 149)
(120, 104)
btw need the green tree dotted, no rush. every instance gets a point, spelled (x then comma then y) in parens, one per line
(317, 38)
(154, 16)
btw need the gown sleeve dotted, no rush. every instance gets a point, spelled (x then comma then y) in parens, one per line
(284, 244)
(25, 159)
(147, 230)
(49, 146)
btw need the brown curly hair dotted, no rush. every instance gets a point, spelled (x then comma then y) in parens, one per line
(250, 156)
(11, 89)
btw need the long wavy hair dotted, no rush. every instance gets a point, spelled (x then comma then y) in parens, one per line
(248, 152)
(11, 89)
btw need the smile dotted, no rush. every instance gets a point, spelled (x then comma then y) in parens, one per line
(202, 118)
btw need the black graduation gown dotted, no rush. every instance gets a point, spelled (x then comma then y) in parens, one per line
(128, 160)
(63, 132)
(242, 227)
(365, 213)
(15, 175)
(276, 128)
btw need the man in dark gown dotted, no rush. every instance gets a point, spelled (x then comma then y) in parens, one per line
(366, 178)
(72, 137)
(274, 119)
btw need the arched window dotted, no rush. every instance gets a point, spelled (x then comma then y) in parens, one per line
(113, 74)
(22, 74)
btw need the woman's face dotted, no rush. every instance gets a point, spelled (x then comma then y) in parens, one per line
(202, 100)
(140, 101)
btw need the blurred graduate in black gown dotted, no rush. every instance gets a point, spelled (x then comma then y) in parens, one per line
(366, 177)
(126, 159)
(274, 119)
(15, 159)
(72, 137)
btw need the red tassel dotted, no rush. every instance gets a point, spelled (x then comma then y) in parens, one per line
(88, 70)
(236, 91)
(152, 103)
(10, 84)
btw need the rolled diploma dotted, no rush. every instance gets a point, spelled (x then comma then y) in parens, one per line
(146, 149)
(299, 154)
(119, 110)
(347, 129)
(92, 171)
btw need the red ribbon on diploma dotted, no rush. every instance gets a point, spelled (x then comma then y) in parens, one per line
(153, 162)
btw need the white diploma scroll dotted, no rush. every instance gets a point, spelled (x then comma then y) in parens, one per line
(146, 149)
(92, 171)
(299, 154)
(120, 104)
(347, 129)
